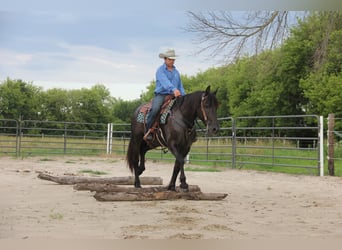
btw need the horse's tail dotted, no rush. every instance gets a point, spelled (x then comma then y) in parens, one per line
(132, 154)
(133, 150)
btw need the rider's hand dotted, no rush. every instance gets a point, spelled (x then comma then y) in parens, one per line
(177, 93)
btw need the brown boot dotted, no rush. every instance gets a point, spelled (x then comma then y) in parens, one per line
(148, 136)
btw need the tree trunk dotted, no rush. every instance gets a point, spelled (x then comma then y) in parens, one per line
(107, 189)
(129, 180)
(100, 187)
(153, 193)
(152, 196)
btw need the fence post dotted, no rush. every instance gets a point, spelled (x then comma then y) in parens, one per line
(273, 142)
(321, 147)
(18, 138)
(207, 150)
(109, 137)
(331, 142)
(65, 138)
(187, 158)
(233, 144)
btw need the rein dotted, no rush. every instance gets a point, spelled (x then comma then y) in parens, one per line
(202, 108)
(205, 117)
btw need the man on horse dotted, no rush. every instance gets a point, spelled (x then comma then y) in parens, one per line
(168, 82)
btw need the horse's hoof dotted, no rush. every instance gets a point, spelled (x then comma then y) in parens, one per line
(171, 188)
(184, 188)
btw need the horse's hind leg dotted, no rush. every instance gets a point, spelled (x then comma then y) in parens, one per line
(137, 172)
(140, 166)
(143, 150)
(136, 178)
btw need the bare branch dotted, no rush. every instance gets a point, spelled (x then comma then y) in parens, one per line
(228, 35)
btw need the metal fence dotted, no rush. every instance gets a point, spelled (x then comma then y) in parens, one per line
(9, 139)
(283, 141)
(27, 137)
(268, 143)
(334, 142)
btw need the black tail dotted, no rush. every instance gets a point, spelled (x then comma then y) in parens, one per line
(132, 155)
(133, 151)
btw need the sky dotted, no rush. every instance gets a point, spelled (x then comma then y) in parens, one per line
(56, 44)
(79, 43)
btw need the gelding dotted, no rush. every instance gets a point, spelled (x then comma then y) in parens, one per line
(177, 134)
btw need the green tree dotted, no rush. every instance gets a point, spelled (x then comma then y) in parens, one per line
(325, 94)
(19, 99)
(123, 110)
(91, 105)
(323, 86)
(56, 105)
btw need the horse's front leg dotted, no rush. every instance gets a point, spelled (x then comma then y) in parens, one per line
(184, 186)
(178, 167)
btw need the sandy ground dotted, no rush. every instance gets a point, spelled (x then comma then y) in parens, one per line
(258, 206)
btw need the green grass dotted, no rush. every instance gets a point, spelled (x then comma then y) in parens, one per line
(211, 155)
(94, 172)
(56, 216)
(203, 169)
(254, 156)
(32, 146)
(46, 159)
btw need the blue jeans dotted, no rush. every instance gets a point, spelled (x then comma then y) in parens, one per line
(157, 102)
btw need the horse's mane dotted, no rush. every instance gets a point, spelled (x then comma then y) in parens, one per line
(192, 97)
(188, 98)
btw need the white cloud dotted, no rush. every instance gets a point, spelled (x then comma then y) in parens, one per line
(82, 45)
(13, 58)
(125, 74)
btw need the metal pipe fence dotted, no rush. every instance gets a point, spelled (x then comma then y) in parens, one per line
(9, 137)
(244, 142)
(334, 140)
(284, 141)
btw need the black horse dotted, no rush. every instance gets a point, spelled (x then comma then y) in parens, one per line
(177, 134)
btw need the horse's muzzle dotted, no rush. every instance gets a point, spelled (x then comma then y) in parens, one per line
(212, 130)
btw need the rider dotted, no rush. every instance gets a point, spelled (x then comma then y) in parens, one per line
(168, 82)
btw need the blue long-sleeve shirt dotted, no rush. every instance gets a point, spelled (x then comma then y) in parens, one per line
(168, 81)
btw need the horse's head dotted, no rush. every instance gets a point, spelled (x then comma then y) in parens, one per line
(209, 105)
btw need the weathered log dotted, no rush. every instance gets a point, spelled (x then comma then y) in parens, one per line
(152, 196)
(107, 187)
(129, 180)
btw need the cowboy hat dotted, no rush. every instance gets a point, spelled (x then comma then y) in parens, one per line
(168, 54)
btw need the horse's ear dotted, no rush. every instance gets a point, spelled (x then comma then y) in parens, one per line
(207, 91)
(215, 91)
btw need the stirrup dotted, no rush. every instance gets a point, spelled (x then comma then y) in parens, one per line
(148, 136)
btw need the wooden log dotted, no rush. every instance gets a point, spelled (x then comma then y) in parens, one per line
(129, 180)
(100, 187)
(152, 196)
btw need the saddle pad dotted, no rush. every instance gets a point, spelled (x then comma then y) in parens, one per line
(163, 115)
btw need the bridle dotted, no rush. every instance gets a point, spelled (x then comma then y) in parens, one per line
(205, 117)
